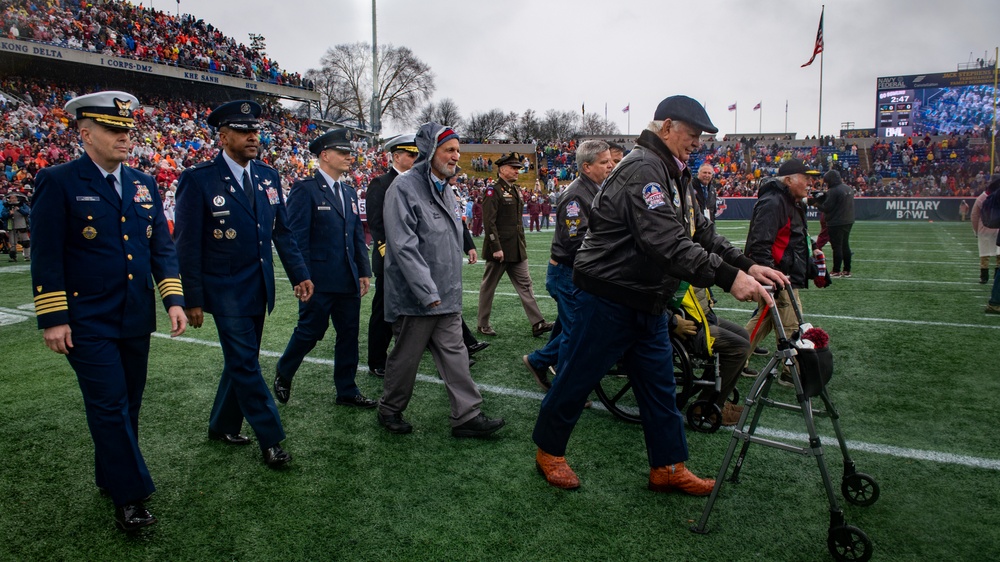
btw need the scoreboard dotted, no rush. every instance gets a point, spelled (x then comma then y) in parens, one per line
(934, 103)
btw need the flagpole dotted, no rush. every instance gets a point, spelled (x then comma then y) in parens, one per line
(760, 123)
(629, 106)
(993, 140)
(819, 125)
(736, 117)
(786, 117)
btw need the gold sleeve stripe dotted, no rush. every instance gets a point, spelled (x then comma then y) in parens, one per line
(51, 308)
(169, 281)
(170, 286)
(52, 295)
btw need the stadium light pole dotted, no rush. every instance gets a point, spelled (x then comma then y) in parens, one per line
(376, 107)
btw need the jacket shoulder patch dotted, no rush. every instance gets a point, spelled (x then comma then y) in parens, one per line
(652, 193)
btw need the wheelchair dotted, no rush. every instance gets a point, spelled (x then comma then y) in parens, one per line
(694, 369)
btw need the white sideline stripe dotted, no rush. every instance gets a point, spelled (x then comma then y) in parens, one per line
(18, 311)
(888, 320)
(888, 450)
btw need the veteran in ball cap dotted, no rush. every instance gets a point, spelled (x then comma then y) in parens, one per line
(646, 236)
(403, 151)
(504, 247)
(324, 217)
(778, 237)
(227, 212)
(97, 212)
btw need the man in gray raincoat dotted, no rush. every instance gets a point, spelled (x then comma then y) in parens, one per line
(423, 300)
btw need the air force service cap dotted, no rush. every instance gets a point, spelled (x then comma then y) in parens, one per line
(338, 139)
(688, 110)
(239, 115)
(402, 142)
(112, 108)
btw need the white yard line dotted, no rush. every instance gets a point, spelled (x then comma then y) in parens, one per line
(888, 450)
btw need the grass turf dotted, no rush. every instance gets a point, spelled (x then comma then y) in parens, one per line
(915, 371)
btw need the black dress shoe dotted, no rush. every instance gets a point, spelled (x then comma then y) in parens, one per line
(282, 388)
(229, 438)
(378, 372)
(478, 346)
(479, 426)
(358, 401)
(133, 516)
(276, 457)
(542, 327)
(394, 423)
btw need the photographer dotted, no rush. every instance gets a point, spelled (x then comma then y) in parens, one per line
(15, 217)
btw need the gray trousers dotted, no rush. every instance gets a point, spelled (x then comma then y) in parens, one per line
(443, 336)
(519, 277)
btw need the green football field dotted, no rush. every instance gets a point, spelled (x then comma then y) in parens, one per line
(916, 382)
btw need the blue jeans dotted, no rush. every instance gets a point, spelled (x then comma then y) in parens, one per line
(559, 284)
(603, 332)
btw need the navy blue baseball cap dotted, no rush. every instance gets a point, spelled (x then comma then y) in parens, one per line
(688, 110)
(240, 115)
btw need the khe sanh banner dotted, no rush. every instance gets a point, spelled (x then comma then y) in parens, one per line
(865, 208)
(46, 51)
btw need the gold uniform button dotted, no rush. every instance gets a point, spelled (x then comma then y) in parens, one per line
(125, 237)
(129, 257)
(90, 217)
(129, 276)
(123, 219)
(76, 294)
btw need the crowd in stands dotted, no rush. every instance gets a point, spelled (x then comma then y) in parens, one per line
(132, 31)
(912, 167)
(172, 135)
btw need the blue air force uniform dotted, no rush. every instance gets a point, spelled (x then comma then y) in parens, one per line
(96, 258)
(325, 220)
(227, 268)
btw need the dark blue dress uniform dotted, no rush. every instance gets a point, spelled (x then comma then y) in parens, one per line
(96, 256)
(227, 269)
(328, 230)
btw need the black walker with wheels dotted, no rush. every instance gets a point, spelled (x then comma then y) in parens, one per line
(810, 373)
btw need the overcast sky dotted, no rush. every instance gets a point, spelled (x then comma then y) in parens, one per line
(561, 54)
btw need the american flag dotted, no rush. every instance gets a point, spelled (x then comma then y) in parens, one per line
(625, 110)
(819, 41)
(732, 107)
(756, 107)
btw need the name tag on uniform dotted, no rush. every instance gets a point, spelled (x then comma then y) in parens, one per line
(220, 213)
(87, 198)
(323, 208)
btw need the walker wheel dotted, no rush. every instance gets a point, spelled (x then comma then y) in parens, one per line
(860, 489)
(704, 416)
(849, 543)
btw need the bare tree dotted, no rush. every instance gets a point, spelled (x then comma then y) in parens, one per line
(447, 113)
(558, 125)
(344, 82)
(594, 124)
(486, 126)
(425, 115)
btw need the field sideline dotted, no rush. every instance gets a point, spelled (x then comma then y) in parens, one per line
(915, 384)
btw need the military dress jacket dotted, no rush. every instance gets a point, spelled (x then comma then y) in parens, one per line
(329, 235)
(224, 247)
(96, 254)
(502, 222)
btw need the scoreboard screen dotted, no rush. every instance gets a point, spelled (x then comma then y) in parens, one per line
(934, 103)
